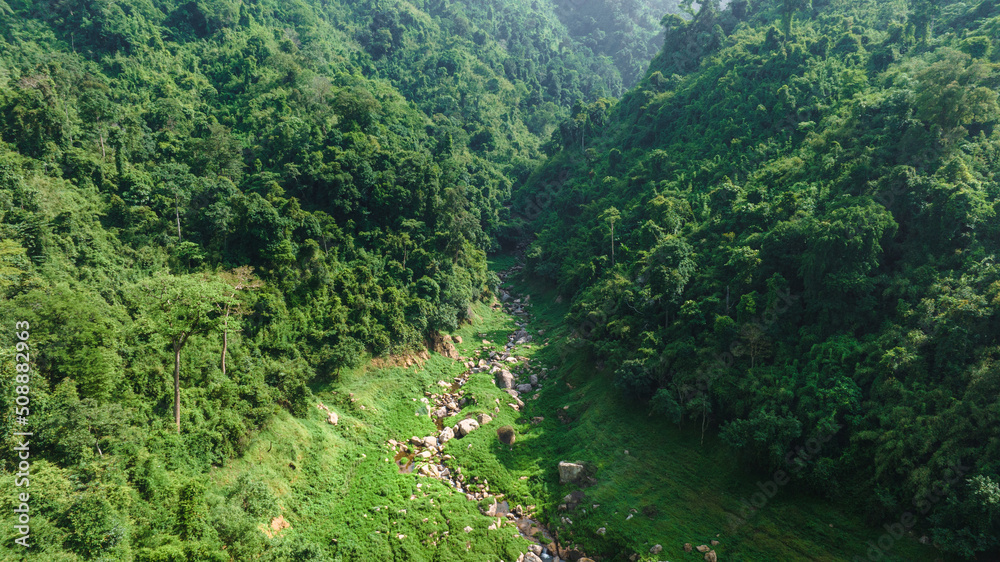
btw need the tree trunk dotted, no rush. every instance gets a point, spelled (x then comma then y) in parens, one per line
(225, 341)
(177, 385)
(704, 423)
(177, 212)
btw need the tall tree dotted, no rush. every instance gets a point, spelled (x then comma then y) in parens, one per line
(177, 307)
(611, 215)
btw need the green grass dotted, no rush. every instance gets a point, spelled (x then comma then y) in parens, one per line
(339, 487)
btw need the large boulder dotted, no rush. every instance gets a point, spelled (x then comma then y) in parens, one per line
(430, 442)
(531, 557)
(466, 427)
(505, 379)
(569, 472)
(506, 435)
(446, 434)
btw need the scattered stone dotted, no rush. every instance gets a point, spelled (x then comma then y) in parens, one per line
(533, 379)
(715, 542)
(446, 434)
(332, 418)
(467, 529)
(430, 442)
(505, 379)
(688, 547)
(602, 531)
(703, 548)
(525, 388)
(656, 549)
(466, 427)
(531, 557)
(483, 419)
(458, 339)
(710, 556)
(569, 471)
(537, 420)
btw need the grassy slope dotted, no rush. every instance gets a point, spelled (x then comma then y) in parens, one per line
(344, 491)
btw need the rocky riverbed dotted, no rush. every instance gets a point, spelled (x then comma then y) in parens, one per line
(425, 457)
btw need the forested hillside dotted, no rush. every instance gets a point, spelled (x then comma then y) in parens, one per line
(208, 208)
(627, 31)
(788, 231)
(771, 223)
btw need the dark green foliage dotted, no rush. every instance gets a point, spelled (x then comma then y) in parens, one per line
(97, 529)
(802, 248)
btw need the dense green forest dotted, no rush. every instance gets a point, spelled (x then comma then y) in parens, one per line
(789, 230)
(210, 207)
(771, 221)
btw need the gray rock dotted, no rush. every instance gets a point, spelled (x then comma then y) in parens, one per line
(656, 549)
(446, 434)
(569, 471)
(466, 427)
(505, 379)
(533, 379)
(525, 388)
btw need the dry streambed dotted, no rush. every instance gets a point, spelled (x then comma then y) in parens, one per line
(520, 380)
